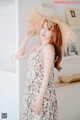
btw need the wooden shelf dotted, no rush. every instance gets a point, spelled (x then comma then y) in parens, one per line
(61, 84)
(71, 57)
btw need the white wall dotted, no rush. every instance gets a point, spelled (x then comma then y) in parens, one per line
(7, 35)
(68, 98)
(9, 84)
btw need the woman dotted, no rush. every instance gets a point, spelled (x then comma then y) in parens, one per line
(40, 101)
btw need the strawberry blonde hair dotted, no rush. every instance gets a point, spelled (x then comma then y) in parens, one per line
(56, 41)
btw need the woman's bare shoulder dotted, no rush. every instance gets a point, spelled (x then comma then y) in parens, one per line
(48, 48)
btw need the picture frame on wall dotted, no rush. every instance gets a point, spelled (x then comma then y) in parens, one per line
(71, 49)
(73, 17)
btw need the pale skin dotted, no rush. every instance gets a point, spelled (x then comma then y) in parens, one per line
(47, 55)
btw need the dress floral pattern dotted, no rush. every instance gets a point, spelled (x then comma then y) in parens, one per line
(33, 83)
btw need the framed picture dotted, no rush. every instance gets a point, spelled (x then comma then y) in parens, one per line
(73, 17)
(71, 49)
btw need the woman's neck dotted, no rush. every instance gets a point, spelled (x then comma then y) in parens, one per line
(45, 42)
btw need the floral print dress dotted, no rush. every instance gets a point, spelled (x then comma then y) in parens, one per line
(33, 83)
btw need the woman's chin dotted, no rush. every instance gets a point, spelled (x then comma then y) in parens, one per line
(42, 37)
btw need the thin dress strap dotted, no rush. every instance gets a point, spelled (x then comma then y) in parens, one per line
(42, 47)
(40, 51)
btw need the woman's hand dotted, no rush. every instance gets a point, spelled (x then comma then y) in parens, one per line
(38, 106)
(30, 33)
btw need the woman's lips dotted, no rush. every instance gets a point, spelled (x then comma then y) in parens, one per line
(43, 35)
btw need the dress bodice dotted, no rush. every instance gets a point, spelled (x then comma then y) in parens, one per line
(36, 66)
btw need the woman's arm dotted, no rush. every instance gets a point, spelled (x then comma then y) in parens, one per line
(21, 54)
(26, 53)
(48, 61)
